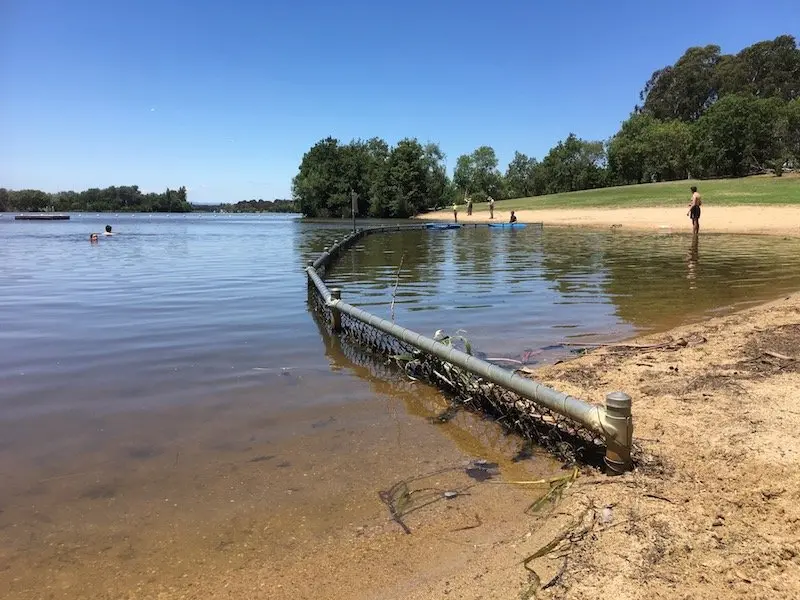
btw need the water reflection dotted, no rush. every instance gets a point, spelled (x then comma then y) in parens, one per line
(472, 434)
(691, 262)
(517, 290)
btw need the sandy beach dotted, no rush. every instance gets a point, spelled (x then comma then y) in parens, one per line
(711, 510)
(778, 220)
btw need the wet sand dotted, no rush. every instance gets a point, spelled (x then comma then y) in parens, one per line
(227, 509)
(777, 220)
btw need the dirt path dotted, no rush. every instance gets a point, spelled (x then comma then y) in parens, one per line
(778, 220)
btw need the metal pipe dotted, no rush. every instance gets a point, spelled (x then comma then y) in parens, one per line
(614, 421)
(587, 414)
(618, 447)
(318, 283)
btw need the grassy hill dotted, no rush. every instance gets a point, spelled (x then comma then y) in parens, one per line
(760, 189)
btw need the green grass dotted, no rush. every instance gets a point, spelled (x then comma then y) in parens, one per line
(760, 190)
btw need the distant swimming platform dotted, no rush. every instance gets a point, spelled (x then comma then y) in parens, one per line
(41, 217)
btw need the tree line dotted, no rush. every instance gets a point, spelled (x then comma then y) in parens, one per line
(708, 115)
(111, 199)
(251, 206)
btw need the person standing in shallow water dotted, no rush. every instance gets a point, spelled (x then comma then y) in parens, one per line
(694, 210)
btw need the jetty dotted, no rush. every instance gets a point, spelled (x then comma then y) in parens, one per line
(41, 217)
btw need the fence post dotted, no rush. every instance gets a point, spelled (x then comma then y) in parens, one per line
(619, 441)
(336, 294)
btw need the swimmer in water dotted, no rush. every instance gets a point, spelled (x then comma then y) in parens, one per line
(108, 230)
(93, 238)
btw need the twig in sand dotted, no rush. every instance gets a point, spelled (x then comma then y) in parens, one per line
(396, 283)
(478, 523)
(679, 343)
(558, 486)
(557, 576)
(508, 360)
(388, 499)
(657, 497)
(778, 355)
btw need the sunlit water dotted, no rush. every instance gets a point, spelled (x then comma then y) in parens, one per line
(165, 388)
(524, 293)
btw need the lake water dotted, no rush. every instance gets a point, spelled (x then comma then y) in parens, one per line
(170, 409)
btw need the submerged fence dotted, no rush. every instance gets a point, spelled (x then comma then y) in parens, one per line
(572, 429)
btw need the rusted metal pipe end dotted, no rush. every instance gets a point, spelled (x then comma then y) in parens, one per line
(620, 437)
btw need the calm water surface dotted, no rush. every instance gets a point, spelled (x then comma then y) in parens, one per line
(164, 389)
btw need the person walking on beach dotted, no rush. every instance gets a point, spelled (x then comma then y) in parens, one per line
(491, 207)
(469, 204)
(455, 212)
(694, 210)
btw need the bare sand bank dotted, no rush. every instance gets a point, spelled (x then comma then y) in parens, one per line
(713, 508)
(777, 220)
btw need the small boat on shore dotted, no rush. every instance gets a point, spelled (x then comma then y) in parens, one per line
(442, 226)
(509, 225)
(41, 217)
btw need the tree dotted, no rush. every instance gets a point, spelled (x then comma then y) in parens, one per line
(792, 113)
(646, 149)
(574, 164)
(438, 184)
(627, 149)
(520, 177)
(476, 174)
(768, 69)
(736, 137)
(117, 199)
(408, 178)
(316, 182)
(464, 173)
(685, 90)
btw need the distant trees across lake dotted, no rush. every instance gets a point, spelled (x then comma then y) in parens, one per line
(251, 206)
(127, 198)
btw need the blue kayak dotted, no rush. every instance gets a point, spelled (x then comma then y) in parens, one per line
(442, 226)
(513, 225)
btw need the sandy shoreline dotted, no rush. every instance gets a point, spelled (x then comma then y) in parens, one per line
(777, 220)
(713, 507)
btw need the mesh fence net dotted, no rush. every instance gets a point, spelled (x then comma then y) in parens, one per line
(561, 436)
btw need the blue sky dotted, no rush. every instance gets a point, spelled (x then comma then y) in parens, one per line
(225, 97)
